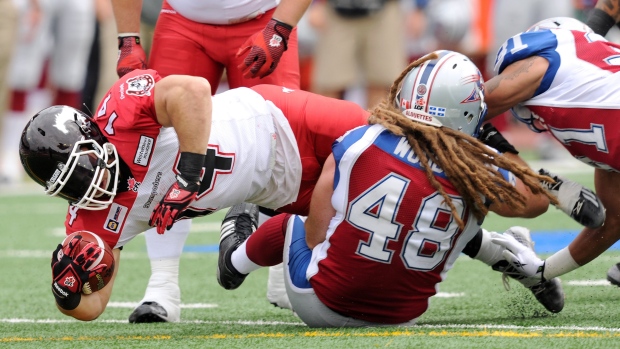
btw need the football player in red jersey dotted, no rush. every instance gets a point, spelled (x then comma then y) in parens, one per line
(382, 234)
(254, 42)
(560, 77)
(162, 149)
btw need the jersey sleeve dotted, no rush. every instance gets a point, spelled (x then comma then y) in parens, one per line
(541, 43)
(132, 100)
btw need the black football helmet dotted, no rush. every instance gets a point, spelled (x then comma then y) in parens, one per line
(63, 150)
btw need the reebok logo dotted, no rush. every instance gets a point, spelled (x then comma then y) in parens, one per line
(60, 290)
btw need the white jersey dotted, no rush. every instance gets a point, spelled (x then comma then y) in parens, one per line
(221, 12)
(577, 100)
(250, 145)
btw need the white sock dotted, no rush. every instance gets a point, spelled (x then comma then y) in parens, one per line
(170, 244)
(241, 261)
(489, 252)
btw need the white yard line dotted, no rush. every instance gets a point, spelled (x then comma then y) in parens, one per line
(278, 323)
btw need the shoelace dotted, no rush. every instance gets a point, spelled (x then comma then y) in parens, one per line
(510, 272)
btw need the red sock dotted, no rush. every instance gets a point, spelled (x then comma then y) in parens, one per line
(266, 245)
(18, 100)
(70, 98)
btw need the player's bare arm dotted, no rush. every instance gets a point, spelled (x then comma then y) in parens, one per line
(517, 83)
(127, 15)
(184, 102)
(321, 209)
(537, 204)
(291, 11)
(93, 305)
(611, 7)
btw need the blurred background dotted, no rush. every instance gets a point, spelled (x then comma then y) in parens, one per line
(65, 51)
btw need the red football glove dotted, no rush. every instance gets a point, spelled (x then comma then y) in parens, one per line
(131, 56)
(70, 271)
(265, 49)
(180, 194)
(176, 200)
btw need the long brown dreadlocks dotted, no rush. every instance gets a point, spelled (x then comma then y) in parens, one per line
(469, 164)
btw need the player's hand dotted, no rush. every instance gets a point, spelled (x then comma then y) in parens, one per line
(522, 258)
(70, 268)
(491, 137)
(580, 203)
(131, 55)
(176, 200)
(264, 49)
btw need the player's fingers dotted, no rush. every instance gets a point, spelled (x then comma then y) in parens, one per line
(505, 240)
(243, 50)
(172, 218)
(264, 71)
(154, 215)
(71, 248)
(161, 219)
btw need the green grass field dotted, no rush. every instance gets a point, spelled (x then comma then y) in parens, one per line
(474, 311)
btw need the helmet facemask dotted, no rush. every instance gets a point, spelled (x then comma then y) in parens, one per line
(85, 172)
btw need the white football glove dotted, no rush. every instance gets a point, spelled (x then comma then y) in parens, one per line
(580, 203)
(522, 258)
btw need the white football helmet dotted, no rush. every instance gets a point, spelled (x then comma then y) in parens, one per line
(568, 23)
(447, 91)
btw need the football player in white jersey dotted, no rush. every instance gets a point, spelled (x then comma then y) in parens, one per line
(392, 229)
(162, 149)
(560, 77)
(252, 41)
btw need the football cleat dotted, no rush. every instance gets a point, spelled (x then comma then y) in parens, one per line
(613, 274)
(239, 223)
(549, 293)
(580, 203)
(148, 312)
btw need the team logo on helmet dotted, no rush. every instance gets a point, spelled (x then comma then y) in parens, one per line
(473, 97)
(140, 85)
(421, 89)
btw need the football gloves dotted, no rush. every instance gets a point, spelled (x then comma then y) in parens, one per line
(580, 203)
(70, 271)
(181, 194)
(131, 55)
(264, 49)
(491, 137)
(521, 258)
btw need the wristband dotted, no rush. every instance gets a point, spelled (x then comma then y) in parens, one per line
(69, 302)
(600, 21)
(124, 35)
(559, 263)
(190, 166)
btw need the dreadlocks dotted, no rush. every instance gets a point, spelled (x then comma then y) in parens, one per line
(469, 164)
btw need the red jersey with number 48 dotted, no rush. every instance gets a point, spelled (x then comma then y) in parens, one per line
(578, 100)
(393, 239)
